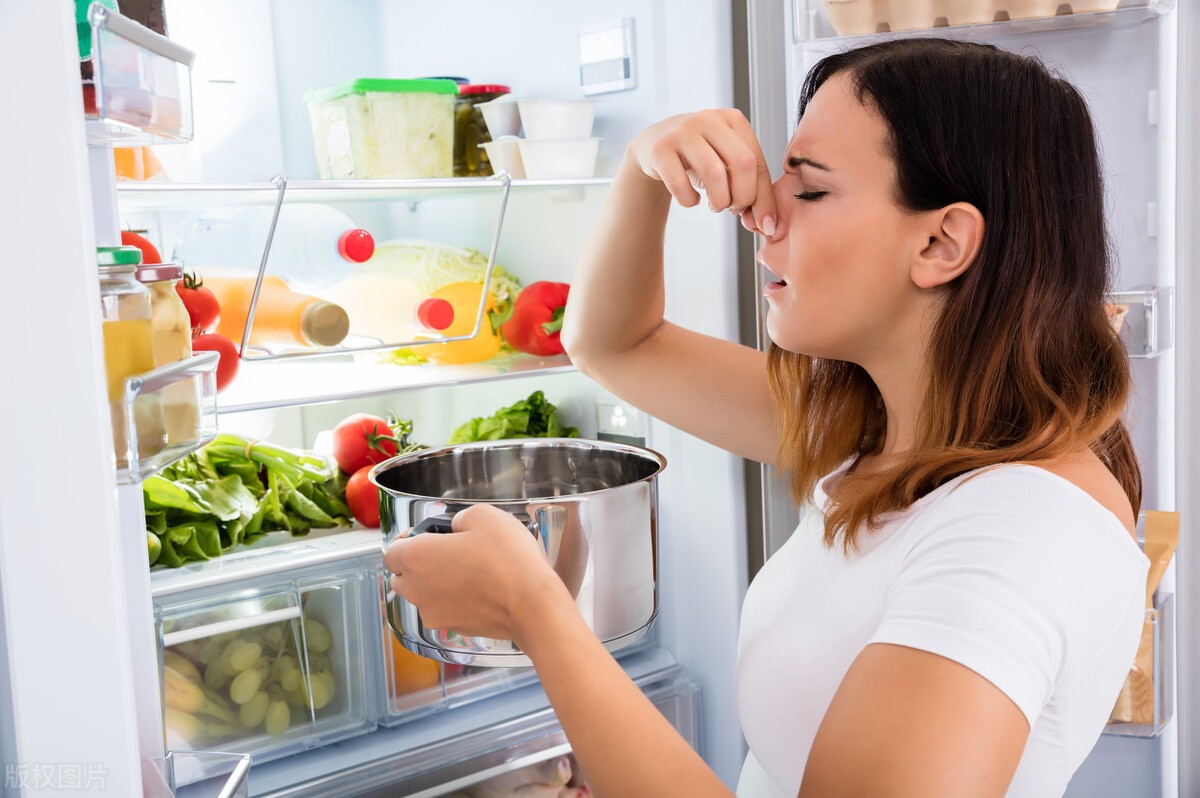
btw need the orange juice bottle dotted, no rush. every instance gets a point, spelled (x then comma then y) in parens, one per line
(282, 316)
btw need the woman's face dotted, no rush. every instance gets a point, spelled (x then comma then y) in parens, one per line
(843, 247)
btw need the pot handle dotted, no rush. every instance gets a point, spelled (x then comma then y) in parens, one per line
(440, 524)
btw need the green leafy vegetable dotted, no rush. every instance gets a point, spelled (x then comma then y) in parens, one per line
(234, 491)
(532, 417)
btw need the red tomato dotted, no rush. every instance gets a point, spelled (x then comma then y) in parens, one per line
(204, 311)
(149, 251)
(227, 365)
(363, 498)
(362, 440)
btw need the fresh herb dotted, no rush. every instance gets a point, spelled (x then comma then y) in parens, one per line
(533, 417)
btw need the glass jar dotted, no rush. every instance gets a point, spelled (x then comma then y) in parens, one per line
(128, 351)
(171, 332)
(470, 160)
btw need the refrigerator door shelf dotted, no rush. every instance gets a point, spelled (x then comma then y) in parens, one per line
(1149, 325)
(177, 396)
(982, 19)
(1147, 700)
(141, 92)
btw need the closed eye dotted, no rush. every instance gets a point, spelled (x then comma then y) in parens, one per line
(810, 196)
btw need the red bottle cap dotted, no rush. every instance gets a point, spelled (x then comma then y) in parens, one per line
(356, 246)
(435, 314)
(482, 88)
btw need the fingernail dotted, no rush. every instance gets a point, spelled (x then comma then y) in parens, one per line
(768, 226)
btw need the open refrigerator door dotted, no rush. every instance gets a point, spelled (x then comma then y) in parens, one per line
(1127, 58)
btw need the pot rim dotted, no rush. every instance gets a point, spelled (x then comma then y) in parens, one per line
(537, 443)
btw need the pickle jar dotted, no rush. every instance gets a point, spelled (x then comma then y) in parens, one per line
(470, 160)
(171, 333)
(128, 351)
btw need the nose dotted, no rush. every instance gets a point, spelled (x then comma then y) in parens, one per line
(784, 202)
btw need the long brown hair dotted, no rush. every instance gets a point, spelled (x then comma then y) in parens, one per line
(1023, 364)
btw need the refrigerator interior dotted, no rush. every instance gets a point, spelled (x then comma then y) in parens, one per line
(256, 58)
(1124, 62)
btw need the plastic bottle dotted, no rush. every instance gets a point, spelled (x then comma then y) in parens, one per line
(465, 297)
(389, 307)
(282, 317)
(314, 246)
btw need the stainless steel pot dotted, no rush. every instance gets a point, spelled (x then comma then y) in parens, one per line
(591, 504)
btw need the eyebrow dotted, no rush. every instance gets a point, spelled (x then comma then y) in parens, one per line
(796, 163)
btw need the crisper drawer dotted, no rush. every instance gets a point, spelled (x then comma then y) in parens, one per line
(535, 759)
(414, 686)
(270, 667)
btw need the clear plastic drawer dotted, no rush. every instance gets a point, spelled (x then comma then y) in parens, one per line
(268, 670)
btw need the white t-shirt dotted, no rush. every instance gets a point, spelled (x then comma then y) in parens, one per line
(1012, 571)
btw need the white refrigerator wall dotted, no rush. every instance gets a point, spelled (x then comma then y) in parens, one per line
(684, 62)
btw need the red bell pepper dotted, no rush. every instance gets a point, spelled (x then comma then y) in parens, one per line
(536, 320)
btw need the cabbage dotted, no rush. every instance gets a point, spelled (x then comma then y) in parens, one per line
(432, 264)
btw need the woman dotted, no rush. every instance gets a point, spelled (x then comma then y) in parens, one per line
(942, 384)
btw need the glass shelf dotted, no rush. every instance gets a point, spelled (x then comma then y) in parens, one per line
(860, 20)
(141, 91)
(149, 196)
(175, 403)
(302, 382)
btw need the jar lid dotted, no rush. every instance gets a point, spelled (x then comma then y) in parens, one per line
(483, 88)
(118, 256)
(156, 272)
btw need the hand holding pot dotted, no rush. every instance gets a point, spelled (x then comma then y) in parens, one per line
(488, 578)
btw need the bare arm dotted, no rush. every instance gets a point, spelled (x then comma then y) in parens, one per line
(905, 722)
(614, 328)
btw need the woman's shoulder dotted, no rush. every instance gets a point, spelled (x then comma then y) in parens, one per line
(1065, 504)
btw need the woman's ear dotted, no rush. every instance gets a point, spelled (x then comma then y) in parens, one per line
(955, 235)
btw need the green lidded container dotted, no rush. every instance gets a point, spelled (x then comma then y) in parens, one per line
(383, 128)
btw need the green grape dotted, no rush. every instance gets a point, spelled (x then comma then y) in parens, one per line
(318, 636)
(245, 685)
(210, 651)
(282, 664)
(227, 653)
(252, 713)
(245, 656)
(278, 718)
(290, 681)
(215, 676)
(319, 690)
(276, 636)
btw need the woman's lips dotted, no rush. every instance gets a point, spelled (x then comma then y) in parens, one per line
(770, 288)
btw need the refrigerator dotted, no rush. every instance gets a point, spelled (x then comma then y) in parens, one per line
(83, 618)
